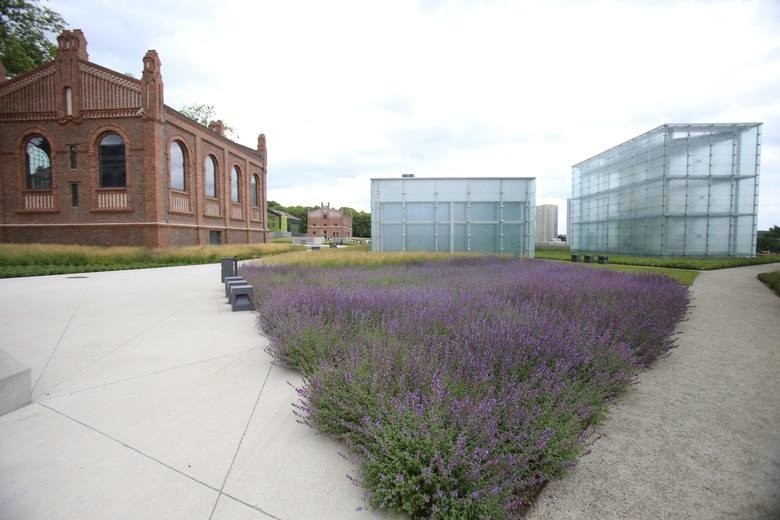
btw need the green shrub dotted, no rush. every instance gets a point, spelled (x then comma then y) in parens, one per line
(771, 280)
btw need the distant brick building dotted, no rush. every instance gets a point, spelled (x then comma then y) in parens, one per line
(329, 222)
(92, 156)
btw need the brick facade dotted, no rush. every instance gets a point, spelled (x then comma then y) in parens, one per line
(74, 104)
(329, 222)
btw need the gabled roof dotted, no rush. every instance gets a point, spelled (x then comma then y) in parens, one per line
(188, 120)
(281, 213)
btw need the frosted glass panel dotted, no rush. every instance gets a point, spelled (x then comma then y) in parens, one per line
(443, 211)
(391, 237)
(514, 211)
(745, 196)
(443, 238)
(676, 190)
(484, 237)
(484, 211)
(720, 197)
(392, 212)
(454, 214)
(420, 190)
(459, 211)
(459, 238)
(419, 237)
(419, 211)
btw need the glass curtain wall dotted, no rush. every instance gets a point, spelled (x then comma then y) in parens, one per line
(454, 214)
(677, 190)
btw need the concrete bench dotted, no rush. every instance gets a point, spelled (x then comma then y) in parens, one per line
(241, 297)
(587, 258)
(603, 259)
(15, 383)
(234, 280)
(575, 258)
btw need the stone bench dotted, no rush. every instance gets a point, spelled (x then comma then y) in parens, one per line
(241, 297)
(230, 281)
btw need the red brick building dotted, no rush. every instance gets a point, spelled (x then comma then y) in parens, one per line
(92, 156)
(329, 223)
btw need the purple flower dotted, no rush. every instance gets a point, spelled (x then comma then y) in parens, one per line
(462, 386)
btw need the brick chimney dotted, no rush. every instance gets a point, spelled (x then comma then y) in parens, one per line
(218, 127)
(152, 87)
(261, 149)
(71, 49)
(72, 44)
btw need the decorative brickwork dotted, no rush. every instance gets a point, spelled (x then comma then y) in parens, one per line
(102, 175)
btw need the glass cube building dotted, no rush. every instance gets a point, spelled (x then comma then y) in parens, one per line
(677, 190)
(454, 214)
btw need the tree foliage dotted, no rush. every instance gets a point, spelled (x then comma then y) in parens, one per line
(301, 212)
(361, 222)
(24, 27)
(205, 114)
(769, 240)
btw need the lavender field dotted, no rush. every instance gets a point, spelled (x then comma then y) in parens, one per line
(462, 386)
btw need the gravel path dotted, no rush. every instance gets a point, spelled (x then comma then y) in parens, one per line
(699, 436)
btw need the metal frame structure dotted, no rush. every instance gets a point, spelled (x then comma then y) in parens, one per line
(495, 214)
(677, 190)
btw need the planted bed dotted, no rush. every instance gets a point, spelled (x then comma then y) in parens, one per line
(462, 386)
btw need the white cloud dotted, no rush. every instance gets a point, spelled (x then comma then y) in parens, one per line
(347, 90)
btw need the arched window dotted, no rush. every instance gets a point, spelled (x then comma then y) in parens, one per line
(235, 182)
(176, 157)
(112, 161)
(210, 175)
(37, 154)
(255, 198)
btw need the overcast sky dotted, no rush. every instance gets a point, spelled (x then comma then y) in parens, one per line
(347, 91)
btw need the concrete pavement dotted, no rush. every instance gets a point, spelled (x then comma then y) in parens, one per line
(152, 400)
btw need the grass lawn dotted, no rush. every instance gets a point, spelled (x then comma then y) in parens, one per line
(45, 259)
(701, 264)
(771, 280)
(684, 276)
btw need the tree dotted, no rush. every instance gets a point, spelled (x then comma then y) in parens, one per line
(769, 240)
(302, 212)
(361, 222)
(24, 27)
(205, 114)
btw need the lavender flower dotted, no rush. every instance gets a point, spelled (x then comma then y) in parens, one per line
(463, 386)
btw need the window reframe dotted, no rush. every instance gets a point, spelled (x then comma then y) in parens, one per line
(182, 176)
(235, 184)
(215, 176)
(101, 161)
(48, 183)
